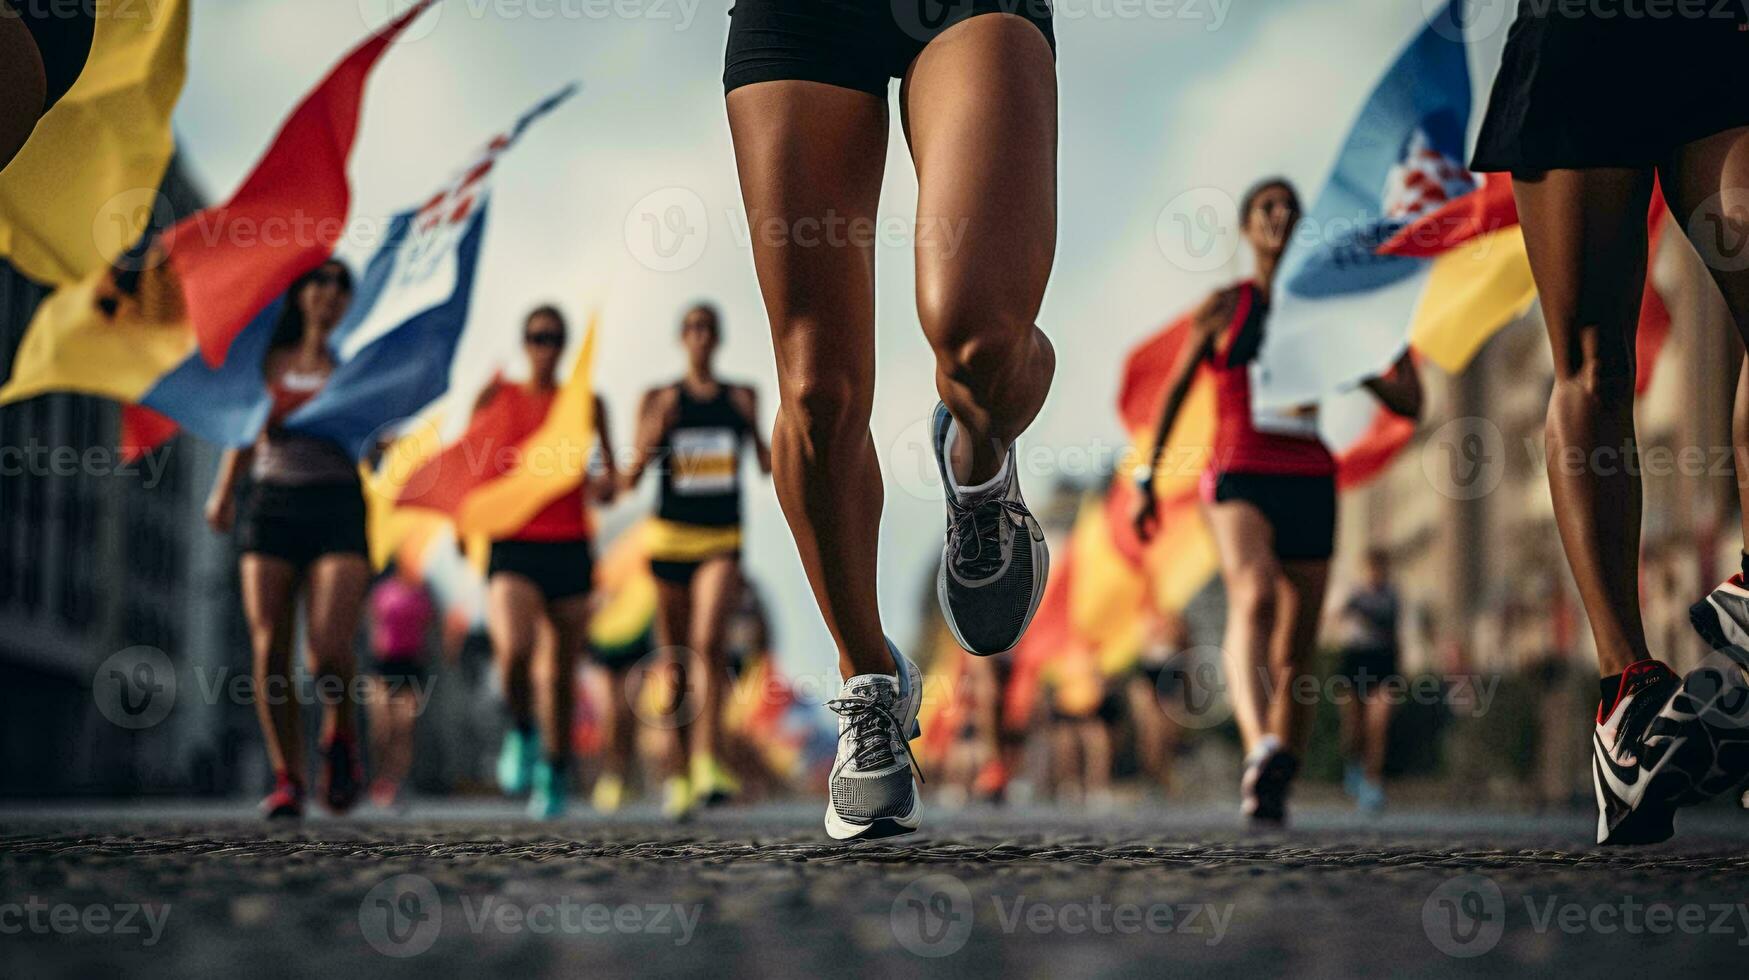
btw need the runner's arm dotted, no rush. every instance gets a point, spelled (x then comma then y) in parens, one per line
(221, 504)
(606, 483)
(653, 416)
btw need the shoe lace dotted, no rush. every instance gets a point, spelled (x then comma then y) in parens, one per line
(974, 535)
(872, 729)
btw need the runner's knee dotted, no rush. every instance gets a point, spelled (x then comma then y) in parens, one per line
(825, 403)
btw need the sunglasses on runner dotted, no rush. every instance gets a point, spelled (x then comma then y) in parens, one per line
(544, 339)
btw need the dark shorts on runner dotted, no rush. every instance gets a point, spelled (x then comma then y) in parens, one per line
(1581, 89)
(559, 569)
(1300, 509)
(854, 44)
(683, 572)
(397, 673)
(1367, 667)
(300, 524)
(62, 31)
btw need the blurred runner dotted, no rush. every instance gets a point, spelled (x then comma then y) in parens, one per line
(43, 49)
(1586, 150)
(694, 430)
(1370, 644)
(1269, 494)
(401, 616)
(1083, 714)
(1159, 677)
(806, 88)
(302, 536)
(540, 580)
(618, 721)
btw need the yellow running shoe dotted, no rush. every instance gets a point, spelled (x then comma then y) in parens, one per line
(608, 794)
(712, 785)
(677, 798)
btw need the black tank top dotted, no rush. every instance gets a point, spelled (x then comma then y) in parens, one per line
(701, 481)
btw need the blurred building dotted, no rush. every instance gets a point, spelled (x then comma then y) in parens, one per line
(1466, 515)
(96, 558)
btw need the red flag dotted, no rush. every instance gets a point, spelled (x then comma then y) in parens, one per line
(1480, 212)
(1143, 389)
(289, 214)
(1654, 315)
(143, 430)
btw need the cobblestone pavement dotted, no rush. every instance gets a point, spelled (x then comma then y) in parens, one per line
(194, 892)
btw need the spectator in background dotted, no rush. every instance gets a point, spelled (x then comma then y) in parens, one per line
(1369, 655)
(401, 615)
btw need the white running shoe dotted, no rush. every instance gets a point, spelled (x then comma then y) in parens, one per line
(873, 792)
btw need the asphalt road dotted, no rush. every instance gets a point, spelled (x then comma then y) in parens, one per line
(442, 891)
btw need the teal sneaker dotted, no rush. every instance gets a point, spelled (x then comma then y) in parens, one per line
(516, 759)
(551, 791)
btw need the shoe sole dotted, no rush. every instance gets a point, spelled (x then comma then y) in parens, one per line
(880, 828)
(1041, 568)
(1651, 821)
(886, 828)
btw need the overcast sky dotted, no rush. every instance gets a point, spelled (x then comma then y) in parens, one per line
(1167, 105)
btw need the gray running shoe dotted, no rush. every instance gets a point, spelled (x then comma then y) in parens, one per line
(995, 562)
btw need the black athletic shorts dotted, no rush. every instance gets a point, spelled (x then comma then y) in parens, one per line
(395, 672)
(559, 569)
(301, 524)
(1300, 509)
(1581, 86)
(1367, 667)
(62, 30)
(855, 44)
(682, 572)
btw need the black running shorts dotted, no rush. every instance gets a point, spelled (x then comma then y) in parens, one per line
(1581, 86)
(1368, 667)
(301, 524)
(559, 569)
(855, 44)
(1300, 509)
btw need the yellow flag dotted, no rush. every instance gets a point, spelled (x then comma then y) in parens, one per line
(1472, 292)
(86, 184)
(87, 338)
(1106, 594)
(397, 531)
(553, 460)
